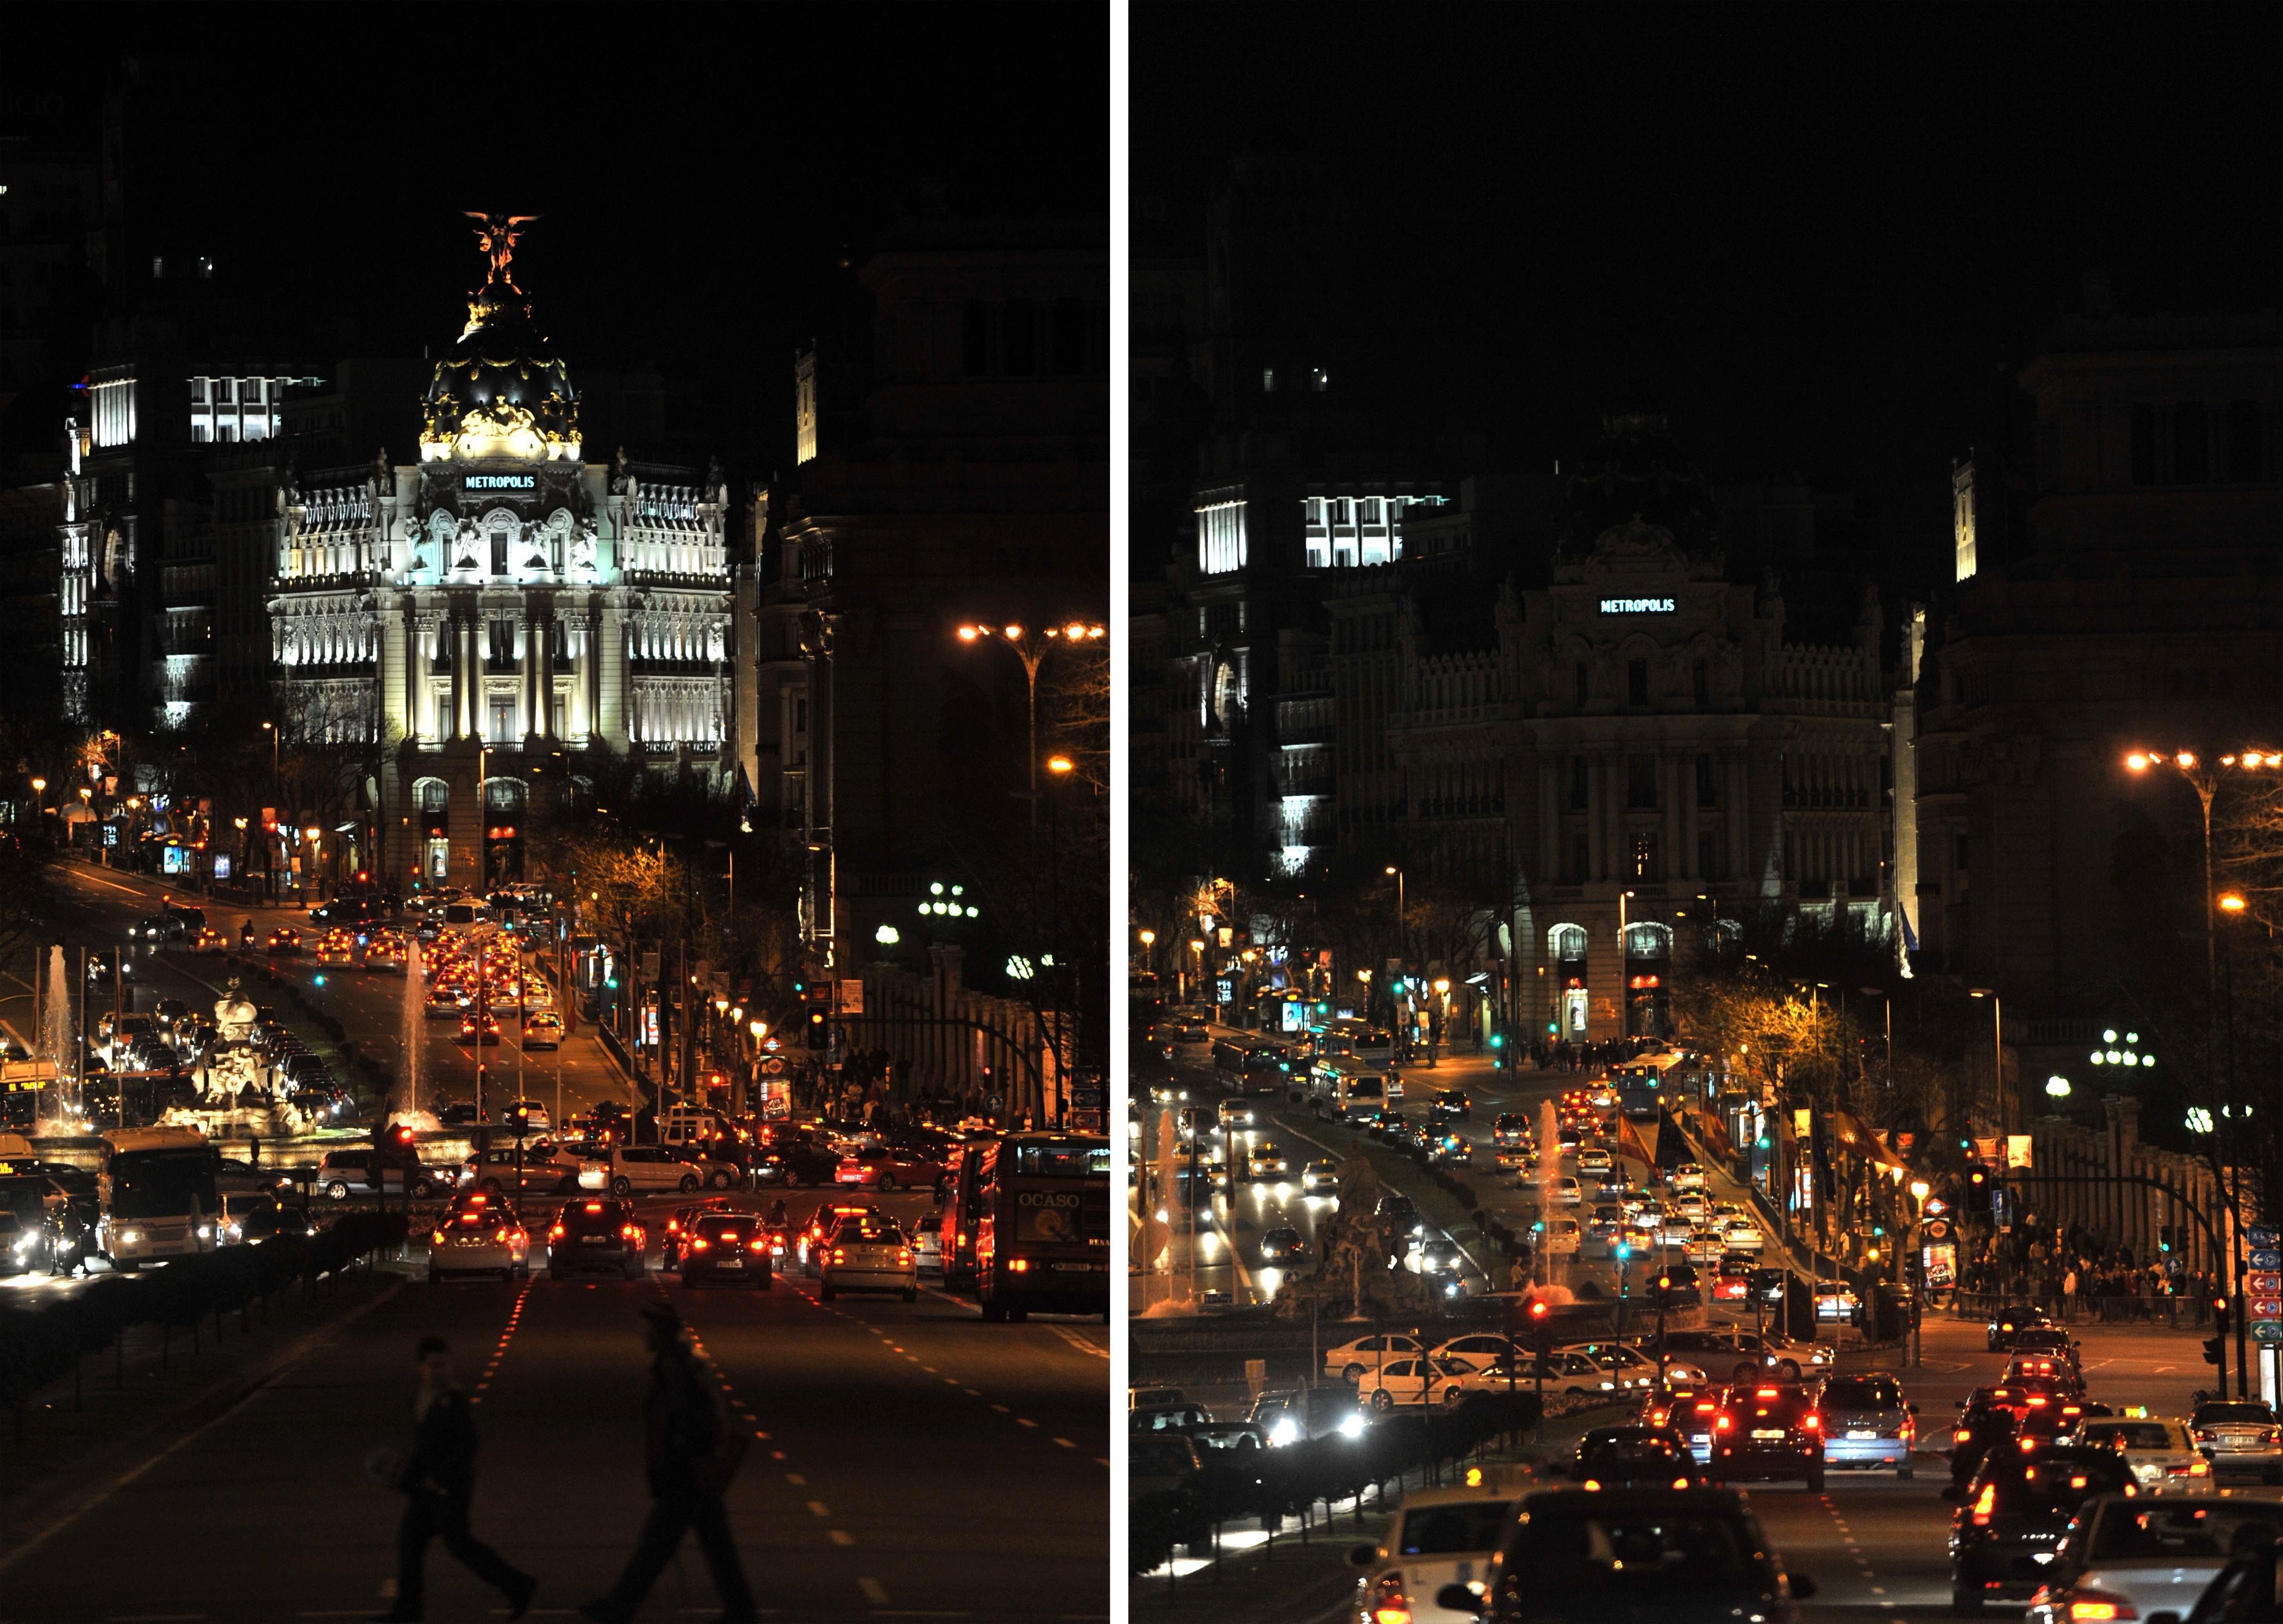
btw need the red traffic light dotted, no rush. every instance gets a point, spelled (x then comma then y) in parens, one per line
(1538, 1307)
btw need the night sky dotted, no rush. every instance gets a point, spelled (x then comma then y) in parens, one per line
(699, 168)
(1813, 235)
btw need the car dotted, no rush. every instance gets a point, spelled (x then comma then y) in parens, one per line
(343, 1173)
(479, 1238)
(1732, 1281)
(1436, 1538)
(1593, 1161)
(809, 1243)
(1835, 1303)
(1768, 1430)
(678, 1224)
(2006, 1322)
(867, 1253)
(1418, 1379)
(209, 941)
(597, 1234)
(1633, 1367)
(2240, 1435)
(1234, 1114)
(2012, 1518)
(1742, 1237)
(1165, 1409)
(1187, 1028)
(1320, 1176)
(542, 1029)
(1704, 1248)
(1266, 1161)
(889, 1167)
(441, 1004)
(1286, 1415)
(1282, 1245)
(1349, 1360)
(794, 1158)
(2161, 1449)
(480, 1032)
(1868, 1422)
(1984, 1425)
(1164, 1462)
(727, 1248)
(335, 947)
(1635, 1457)
(2139, 1556)
(927, 1245)
(628, 1169)
(2045, 1341)
(285, 940)
(498, 1171)
(1687, 1175)
(2043, 1373)
(1567, 1193)
(1580, 1555)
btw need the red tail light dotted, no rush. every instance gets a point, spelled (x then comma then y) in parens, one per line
(555, 1233)
(699, 1244)
(762, 1246)
(1725, 1423)
(1986, 1507)
(839, 1256)
(2098, 1607)
(1020, 1265)
(628, 1232)
(904, 1254)
(1811, 1421)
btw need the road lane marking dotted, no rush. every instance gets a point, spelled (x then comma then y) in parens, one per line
(1024, 1421)
(875, 1592)
(795, 1479)
(841, 1536)
(820, 1508)
(1066, 1443)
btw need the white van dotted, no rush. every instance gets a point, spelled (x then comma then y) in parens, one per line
(1564, 1237)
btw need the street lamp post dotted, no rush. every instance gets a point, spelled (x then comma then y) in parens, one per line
(1032, 651)
(1996, 1049)
(1624, 962)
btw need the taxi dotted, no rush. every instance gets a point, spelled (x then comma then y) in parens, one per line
(333, 947)
(210, 941)
(441, 1004)
(867, 1253)
(478, 1235)
(487, 1031)
(2161, 1450)
(386, 952)
(285, 939)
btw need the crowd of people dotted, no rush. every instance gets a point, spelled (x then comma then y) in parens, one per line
(2080, 1272)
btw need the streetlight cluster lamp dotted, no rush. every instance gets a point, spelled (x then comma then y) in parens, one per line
(1031, 647)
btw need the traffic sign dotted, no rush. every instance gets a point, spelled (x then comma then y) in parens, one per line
(2263, 1234)
(2267, 1330)
(2266, 1308)
(992, 1103)
(774, 1066)
(2267, 1283)
(2266, 1260)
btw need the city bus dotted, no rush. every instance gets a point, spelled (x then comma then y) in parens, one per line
(1347, 1038)
(1042, 1240)
(156, 1192)
(1647, 1083)
(1353, 1089)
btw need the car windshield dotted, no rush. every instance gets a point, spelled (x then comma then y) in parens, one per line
(2131, 1435)
(1860, 1394)
(2128, 1531)
(1446, 1530)
(2236, 1414)
(1148, 1457)
(872, 1232)
(2055, 1484)
(1621, 1557)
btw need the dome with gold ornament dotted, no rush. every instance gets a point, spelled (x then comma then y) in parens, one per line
(500, 392)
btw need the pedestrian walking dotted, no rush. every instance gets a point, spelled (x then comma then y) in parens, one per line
(439, 1482)
(688, 1458)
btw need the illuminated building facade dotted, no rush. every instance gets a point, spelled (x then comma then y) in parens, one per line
(503, 610)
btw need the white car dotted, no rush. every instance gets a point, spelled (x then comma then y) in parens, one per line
(1629, 1367)
(1478, 1348)
(1595, 1160)
(1562, 1237)
(1835, 1302)
(1567, 1193)
(1352, 1359)
(1436, 1538)
(1691, 1204)
(1416, 1379)
(1705, 1247)
(869, 1253)
(1688, 1176)
(633, 1169)
(1743, 1235)
(2158, 1449)
(476, 1236)
(2140, 1556)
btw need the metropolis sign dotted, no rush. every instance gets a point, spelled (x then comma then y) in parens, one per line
(502, 482)
(1637, 606)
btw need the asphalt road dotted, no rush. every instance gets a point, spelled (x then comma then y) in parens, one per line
(910, 1461)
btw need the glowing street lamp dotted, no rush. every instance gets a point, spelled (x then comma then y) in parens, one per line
(1031, 652)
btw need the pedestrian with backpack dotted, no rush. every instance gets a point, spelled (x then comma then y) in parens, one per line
(691, 1450)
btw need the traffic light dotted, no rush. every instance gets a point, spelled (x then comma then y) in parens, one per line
(2166, 1237)
(1978, 1189)
(1541, 1325)
(817, 1033)
(2215, 1350)
(2219, 1315)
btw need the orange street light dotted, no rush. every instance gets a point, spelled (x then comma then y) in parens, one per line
(2230, 902)
(1059, 764)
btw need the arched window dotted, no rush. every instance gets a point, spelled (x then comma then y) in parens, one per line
(433, 794)
(1649, 940)
(1566, 943)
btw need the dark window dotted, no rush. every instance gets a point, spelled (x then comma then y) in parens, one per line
(1019, 339)
(1704, 795)
(1645, 858)
(1581, 683)
(1579, 773)
(1580, 859)
(1637, 682)
(1962, 865)
(2191, 444)
(1704, 856)
(1701, 676)
(1641, 783)
(2144, 443)
(1069, 337)
(975, 337)
(2243, 441)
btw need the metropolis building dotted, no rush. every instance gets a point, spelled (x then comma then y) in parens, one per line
(489, 621)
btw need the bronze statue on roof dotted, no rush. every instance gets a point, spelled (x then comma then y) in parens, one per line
(498, 236)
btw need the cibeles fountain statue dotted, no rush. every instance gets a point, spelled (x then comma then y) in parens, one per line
(1354, 1275)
